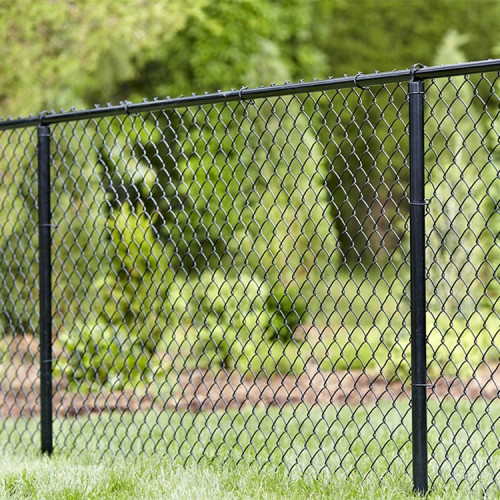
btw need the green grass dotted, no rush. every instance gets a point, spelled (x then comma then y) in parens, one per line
(295, 452)
(84, 477)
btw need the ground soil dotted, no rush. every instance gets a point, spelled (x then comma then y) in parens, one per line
(205, 390)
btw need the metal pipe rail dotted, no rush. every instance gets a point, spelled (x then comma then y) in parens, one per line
(260, 92)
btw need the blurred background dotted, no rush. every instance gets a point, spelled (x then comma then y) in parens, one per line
(60, 53)
(162, 218)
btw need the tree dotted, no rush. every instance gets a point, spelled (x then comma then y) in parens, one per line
(64, 54)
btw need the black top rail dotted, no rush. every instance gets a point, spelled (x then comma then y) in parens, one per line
(379, 78)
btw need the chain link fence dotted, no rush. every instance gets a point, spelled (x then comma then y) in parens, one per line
(228, 276)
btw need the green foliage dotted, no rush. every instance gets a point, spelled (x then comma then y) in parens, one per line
(277, 45)
(461, 189)
(104, 355)
(140, 278)
(235, 322)
(384, 35)
(288, 310)
(116, 344)
(18, 233)
(225, 318)
(56, 54)
(233, 228)
(458, 346)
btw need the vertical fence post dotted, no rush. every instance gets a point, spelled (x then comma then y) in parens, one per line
(418, 305)
(45, 287)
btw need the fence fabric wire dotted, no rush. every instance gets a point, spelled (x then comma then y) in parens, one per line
(230, 279)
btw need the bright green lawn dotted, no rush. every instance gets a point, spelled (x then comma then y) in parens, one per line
(89, 460)
(82, 477)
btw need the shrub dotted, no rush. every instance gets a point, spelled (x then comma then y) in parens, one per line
(233, 321)
(116, 345)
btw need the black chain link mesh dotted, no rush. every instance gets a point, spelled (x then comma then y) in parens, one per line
(19, 352)
(218, 263)
(463, 257)
(231, 280)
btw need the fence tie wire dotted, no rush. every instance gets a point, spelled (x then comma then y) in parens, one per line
(357, 83)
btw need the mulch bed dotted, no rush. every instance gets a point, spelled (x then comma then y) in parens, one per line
(205, 390)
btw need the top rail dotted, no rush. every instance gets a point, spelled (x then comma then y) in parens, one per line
(260, 92)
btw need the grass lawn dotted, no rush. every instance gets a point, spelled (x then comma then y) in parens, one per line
(296, 452)
(86, 477)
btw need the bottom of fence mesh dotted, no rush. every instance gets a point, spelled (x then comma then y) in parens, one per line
(370, 440)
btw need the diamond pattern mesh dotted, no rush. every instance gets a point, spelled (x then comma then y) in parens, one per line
(231, 280)
(19, 366)
(226, 261)
(463, 286)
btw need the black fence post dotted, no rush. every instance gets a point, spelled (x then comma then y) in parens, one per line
(45, 287)
(418, 304)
